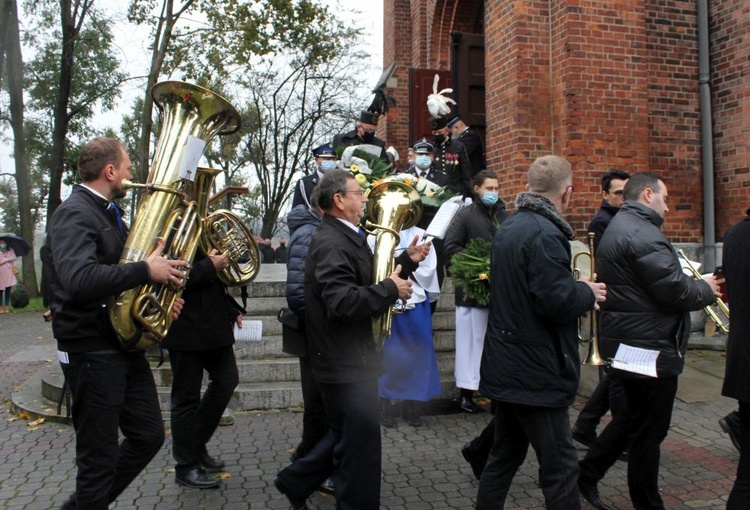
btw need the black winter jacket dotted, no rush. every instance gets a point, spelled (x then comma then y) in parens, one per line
(475, 221)
(530, 352)
(207, 318)
(737, 272)
(648, 295)
(302, 223)
(600, 222)
(340, 302)
(86, 245)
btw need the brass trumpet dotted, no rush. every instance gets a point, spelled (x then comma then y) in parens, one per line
(720, 304)
(593, 357)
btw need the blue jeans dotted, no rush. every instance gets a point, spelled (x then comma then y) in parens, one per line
(547, 430)
(5, 293)
(111, 390)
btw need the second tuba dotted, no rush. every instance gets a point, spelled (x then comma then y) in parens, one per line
(191, 117)
(391, 207)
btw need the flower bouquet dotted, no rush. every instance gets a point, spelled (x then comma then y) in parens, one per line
(470, 270)
(364, 162)
(431, 194)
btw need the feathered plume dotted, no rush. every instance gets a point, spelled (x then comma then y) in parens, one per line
(437, 103)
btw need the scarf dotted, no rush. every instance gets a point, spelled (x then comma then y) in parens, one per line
(542, 206)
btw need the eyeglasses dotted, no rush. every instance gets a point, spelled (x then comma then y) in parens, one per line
(357, 191)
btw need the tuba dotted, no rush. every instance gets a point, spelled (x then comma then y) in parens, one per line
(392, 207)
(191, 117)
(593, 357)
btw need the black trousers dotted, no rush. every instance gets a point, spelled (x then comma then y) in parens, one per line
(643, 424)
(111, 390)
(349, 453)
(195, 418)
(548, 431)
(739, 498)
(314, 421)
(608, 394)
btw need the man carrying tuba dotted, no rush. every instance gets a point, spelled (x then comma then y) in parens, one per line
(340, 301)
(112, 389)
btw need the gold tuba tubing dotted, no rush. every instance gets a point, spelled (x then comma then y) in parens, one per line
(191, 117)
(718, 302)
(392, 207)
(594, 357)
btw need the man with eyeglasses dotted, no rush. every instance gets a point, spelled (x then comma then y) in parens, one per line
(340, 301)
(608, 394)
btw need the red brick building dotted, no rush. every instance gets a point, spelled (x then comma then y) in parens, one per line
(608, 85)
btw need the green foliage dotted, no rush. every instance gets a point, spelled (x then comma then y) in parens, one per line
(19, 297)
(470, 270)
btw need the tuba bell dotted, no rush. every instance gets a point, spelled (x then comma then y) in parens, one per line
(391, 207)
(191, 117)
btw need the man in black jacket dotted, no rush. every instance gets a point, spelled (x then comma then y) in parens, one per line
(201, 339)
(112, 389)
(467, 136)
(451, 157)
(340, 301)
(530, 364)
(607, 393)
(647, 308)
(737, 379)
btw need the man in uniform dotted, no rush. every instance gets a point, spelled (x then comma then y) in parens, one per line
(471, 140)
(451, 157)
(363, 133)
(325, 161)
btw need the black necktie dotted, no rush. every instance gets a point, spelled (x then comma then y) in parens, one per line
(115, 211)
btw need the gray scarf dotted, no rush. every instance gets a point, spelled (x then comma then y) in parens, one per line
(542, 206)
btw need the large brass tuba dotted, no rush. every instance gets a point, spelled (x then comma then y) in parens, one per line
(392, 207)
(191, 117)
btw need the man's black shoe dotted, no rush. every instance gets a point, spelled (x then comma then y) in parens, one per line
(591, 494)
(467, 405)
(477, 464)
(727, 425)
(586, 439)
(197, 479)
(70, 504)
(297, 502)
(211, 465)
(327, 486)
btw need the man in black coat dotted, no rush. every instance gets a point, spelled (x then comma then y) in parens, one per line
(113, 389)
(648, 303)
(530, 364)
(363, 133)
(201, 339)
(340, 301)
(607, 393)
(471, 141)
(737, 379)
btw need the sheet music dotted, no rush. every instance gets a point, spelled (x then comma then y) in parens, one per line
(636, 360)
(439, 224)
(192, 155)
(251, 331)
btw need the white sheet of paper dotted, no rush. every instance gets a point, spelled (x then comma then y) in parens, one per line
(439, 224)
(192, 155)
(636, 360)
(251, 331)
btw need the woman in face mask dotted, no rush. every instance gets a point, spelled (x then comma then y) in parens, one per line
(479, 220)
(7, 278)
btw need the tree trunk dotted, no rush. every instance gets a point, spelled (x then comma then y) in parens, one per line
(14, 62)
(60, 113)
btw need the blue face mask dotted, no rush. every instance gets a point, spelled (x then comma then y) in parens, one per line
(454, 137)
(489, 198)
(3, 246)
(423, 161)
(328, 165)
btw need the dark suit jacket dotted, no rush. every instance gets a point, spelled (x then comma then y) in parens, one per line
(474, 149)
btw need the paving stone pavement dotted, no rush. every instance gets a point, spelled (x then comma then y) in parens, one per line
(422, 468)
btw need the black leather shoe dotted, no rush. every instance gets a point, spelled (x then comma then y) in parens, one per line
(70, 504)
(727, 425)
(585, 438)
(326, 486)
(477, 464)
(467, 405)
(591, 494)
(211, 465)
(413, 417)
(297, 502)
(196, 478)
(386, 414)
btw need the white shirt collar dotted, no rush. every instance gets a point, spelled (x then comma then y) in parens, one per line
(92, 190)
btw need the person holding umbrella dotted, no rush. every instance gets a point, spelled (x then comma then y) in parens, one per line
(7, 276)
